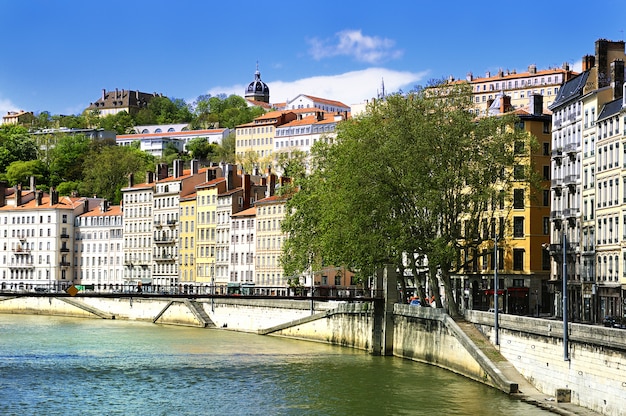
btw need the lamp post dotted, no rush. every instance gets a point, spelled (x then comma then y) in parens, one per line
(565, 325)
(495, 288)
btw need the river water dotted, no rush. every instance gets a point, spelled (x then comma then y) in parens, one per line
(70, 366)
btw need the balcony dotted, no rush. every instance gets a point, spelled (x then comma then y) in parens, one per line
(157, 223)
(164, 257)
(555, 215)
(64, 263)
(164, 240)
(570, 212)
(557, 153)
(570, 180)
(65, 235)
(172, 223)
(21, 251)
(22, 265)
(571, 148)
(64, 250)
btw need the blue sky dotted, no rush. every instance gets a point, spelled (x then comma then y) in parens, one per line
(57, 56)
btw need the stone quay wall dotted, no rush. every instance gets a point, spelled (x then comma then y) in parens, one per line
(595, 368)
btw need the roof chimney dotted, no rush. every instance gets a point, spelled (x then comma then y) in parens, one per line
(149, 177)
(229, 173)
(38, 197)
(32, 183)
(131, 180)
(18, 195)
(3, 199)
(195, 164)
(588, 62)
(536, 104)
(54, 196)
(162, 171)
(178, 168)
(211, 174)
(245, 180)
(104, 94)
(271, 185)
(617, 78)
(505, 104)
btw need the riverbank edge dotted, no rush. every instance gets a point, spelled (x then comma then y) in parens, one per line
(180, 312)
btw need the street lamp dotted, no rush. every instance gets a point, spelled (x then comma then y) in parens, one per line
(495, 287)
(565, 325)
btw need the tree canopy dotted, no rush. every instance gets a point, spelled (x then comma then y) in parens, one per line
(410, 180)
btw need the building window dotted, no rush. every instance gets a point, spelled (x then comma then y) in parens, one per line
(518, 227)
(545, 260)
(518, 199)
(518, 259)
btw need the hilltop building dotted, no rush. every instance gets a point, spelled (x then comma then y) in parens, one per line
(113, 102)
(17, 117)
(257, 92)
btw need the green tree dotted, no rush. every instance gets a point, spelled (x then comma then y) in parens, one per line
(121, 123)
(202, 150)
(108, 170)
(15, 144)
(163, 110)
(226, 149)
(66, 157)
(411, 179)
(292, 164)
(21, 171)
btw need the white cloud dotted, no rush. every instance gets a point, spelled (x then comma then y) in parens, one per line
(369, 49)
(6, 106)
(350, 88)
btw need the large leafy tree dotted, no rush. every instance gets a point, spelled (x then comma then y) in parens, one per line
(66, 155)
(410, 180)
(202, 150)
(163, 110)
(223, 111)
(21, 171)
(15, 145)
(121, 123)
(108, 169)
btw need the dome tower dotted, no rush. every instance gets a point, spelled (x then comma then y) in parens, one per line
(258, 90)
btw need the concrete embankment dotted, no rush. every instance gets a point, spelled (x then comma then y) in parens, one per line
(528, 362)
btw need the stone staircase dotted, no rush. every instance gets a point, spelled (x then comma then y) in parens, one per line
(196, 308)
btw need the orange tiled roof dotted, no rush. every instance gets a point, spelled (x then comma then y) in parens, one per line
(245, 213)
(186, 174)
(112, 211)
(326, 101)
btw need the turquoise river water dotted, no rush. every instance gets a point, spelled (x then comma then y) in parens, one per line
(69, 366)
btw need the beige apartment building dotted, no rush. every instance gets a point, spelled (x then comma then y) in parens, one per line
(270, 213)
(206, 225)
(187, 239)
